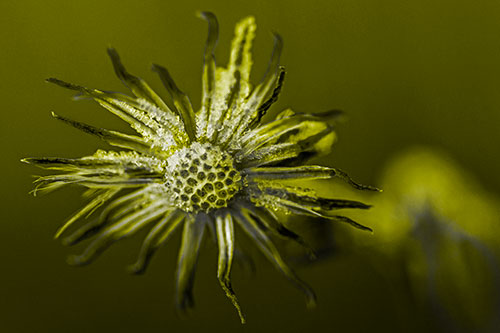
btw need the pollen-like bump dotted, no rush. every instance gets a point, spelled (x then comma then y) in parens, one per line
(193, 185)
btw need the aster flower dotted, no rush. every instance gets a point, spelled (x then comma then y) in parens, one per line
(216, 169)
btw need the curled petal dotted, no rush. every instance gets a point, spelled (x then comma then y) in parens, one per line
(192, 236)
(181, 101)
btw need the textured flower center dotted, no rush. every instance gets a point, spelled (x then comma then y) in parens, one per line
(201, 178)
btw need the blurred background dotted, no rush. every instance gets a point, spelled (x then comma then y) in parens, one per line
(408, 74)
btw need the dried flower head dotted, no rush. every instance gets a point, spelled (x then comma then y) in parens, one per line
(211, 169)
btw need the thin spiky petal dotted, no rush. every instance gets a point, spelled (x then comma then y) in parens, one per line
(114, 138)
(97, 201)
(111, 212)
(306, 199)
(137, 85)
(192, 235)
(153, 124)
(225, 240)
(208, 78)
(299, 209)
(264, 107)
(291, 127)
(181, 101)
(250, 110)
(307, 172)
(158, 236)
(118, 230)
(266, 246)
(232, 83)
(272, 223)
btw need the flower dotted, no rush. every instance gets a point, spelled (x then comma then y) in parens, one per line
(211, 169)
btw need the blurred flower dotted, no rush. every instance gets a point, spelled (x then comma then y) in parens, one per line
(436, 233)
(211, 169)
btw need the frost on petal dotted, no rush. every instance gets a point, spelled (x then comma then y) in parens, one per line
(310, 132)
(113, 138)
(250, 111)
(123, 227)
(101, 170)
(232, 83)
(208, 78)
(181, 101)
(305, 172)
(163, 129)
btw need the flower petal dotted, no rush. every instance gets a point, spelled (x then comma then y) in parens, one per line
(112, 212)
(114, 138)
(268, 220)
(306, 172)
(225, 239)
(158, 236)
(153, 124)
(251, 111)
(305, 130)
(208, 78)
(124, 227)
(252, 229)
(97, 201)
(137, 85)
(232, 83)
(181, 101)
(192, 236)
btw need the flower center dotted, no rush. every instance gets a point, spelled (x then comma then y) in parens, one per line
(201, 178)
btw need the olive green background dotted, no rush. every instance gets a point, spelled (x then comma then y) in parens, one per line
(406, 72)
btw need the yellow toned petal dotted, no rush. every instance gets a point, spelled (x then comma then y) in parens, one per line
(232, 83)
(192, 236)
(241, 57)
(225, 238)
